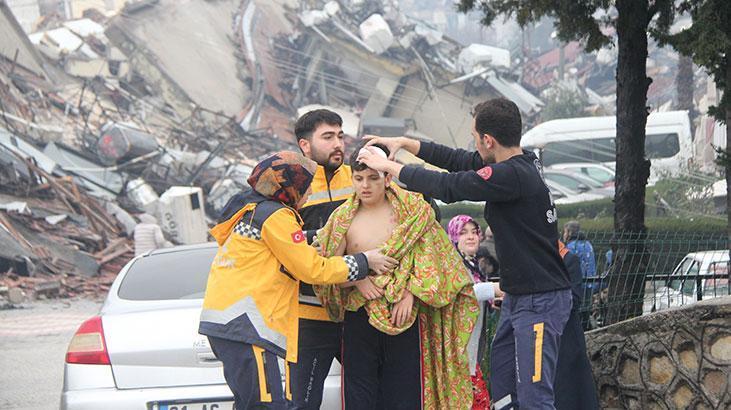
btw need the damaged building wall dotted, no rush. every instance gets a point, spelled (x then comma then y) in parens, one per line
(144, 63)
(445, 119)
(14, 44)
(185, 48)
(26, 13)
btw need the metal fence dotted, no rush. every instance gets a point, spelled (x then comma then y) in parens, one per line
(638, 274)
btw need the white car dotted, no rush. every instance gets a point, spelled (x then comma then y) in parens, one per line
(596, 171)
(562, 195)
(143, 350)
(695, 278)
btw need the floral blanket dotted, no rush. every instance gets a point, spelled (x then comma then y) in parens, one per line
(432, 270)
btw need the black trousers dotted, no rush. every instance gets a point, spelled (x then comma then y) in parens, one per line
(251, 373)
(380, 371)
(574, 387)
(319, 343)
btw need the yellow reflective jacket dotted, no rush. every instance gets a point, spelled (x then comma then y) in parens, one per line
(252, 289)
(325, 197)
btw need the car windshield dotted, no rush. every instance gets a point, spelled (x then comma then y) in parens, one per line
(598, 174)
(661, 145)
(168, 276)
(679, 272)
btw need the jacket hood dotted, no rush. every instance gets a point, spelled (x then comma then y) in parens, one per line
(232, 212)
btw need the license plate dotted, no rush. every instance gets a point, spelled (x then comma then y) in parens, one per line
(208, 405)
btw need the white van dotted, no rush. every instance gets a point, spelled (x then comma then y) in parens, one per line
(668, 144)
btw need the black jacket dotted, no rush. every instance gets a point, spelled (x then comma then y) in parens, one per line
(519, 209)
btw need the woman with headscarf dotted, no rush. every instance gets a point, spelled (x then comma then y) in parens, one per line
(250, 306)
(466, 234)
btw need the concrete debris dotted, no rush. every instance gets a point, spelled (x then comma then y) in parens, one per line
(16, 206)
(16, 296)
(54, 219)
(480, 54)
(376, 33)
(99, 181)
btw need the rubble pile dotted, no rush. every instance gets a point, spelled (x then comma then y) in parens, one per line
(372, 61)
(87, 145)
(56, 239)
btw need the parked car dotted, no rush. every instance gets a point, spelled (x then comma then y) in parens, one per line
(143, 350)
(578, 183)
(562, 195)
(598, 172)
(695, 278)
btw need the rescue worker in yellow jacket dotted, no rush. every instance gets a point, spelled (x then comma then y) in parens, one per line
(250, 309)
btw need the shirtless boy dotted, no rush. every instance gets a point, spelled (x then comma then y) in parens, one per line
(405, 332)
(383, 372)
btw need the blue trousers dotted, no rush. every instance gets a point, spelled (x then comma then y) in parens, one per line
(525, 349)
(251, 373)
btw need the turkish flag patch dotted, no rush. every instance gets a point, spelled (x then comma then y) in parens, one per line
(485, 173)
(298, 237)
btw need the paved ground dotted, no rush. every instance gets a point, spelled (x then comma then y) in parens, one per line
(33, 343)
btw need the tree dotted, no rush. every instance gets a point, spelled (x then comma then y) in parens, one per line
(583, 20)
(708, 42)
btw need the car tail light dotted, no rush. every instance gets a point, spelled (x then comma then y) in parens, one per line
(88, 345)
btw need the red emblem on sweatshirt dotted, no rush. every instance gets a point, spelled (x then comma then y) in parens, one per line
(485, 173)
(298, 237)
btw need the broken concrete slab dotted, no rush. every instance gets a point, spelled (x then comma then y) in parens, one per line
(99, 180)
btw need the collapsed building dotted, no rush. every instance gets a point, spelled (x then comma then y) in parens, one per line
(163, 107)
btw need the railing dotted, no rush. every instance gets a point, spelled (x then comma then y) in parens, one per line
(655, 271)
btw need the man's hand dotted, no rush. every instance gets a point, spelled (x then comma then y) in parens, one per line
(377, 162)
(316, 244)
(401, 310)
(378, 262)
(368, 289)
(394, 144)
(499, 294)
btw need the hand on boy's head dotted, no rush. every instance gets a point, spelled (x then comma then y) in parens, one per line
(393, 144)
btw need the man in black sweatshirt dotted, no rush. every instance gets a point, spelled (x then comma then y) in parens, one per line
(521, 212)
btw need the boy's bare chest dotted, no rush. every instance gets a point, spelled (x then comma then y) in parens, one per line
(370, 229)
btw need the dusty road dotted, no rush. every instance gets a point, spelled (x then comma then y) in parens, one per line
(33, 341)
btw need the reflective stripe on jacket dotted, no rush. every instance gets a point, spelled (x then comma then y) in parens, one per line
(252, 289)
(326, 196)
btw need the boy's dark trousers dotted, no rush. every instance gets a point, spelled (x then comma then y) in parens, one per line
(525, 349)
(251, 373)
(380, 371)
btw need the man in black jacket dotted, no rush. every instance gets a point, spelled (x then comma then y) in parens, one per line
(521, 212)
